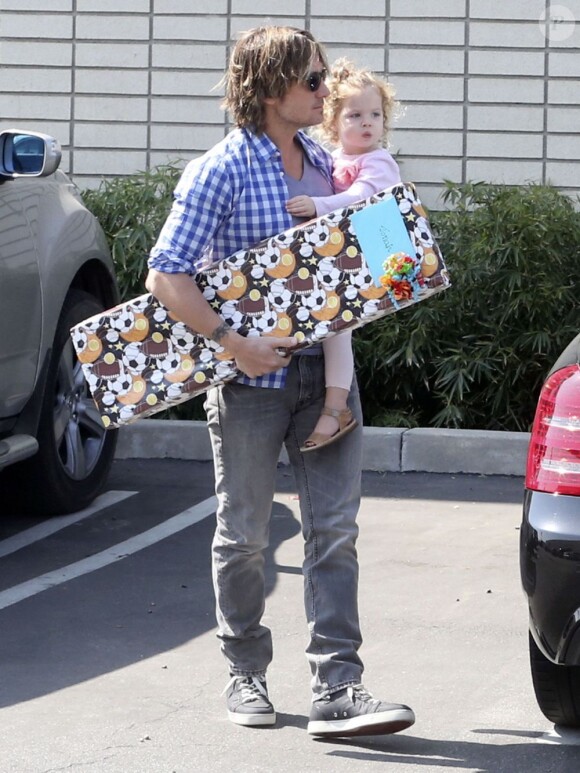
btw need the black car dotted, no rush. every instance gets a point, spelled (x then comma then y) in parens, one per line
(550, 542)
(55, 270)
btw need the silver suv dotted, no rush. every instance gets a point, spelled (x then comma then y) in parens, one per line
(55, 270)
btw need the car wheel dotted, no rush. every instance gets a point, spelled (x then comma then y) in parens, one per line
(557, 688)
(75, 450)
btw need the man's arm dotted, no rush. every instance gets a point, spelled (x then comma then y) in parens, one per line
(254, 356)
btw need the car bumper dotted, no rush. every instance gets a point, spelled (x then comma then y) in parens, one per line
(550, 573)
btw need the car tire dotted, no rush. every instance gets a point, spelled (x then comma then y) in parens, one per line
(75, 450)
(557, 688)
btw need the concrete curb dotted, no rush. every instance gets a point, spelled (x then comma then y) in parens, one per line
(385, 449)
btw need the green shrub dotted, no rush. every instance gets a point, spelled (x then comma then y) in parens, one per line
(475, 356)
(131, 211)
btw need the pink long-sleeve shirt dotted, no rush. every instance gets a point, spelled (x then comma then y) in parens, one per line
(358, 177)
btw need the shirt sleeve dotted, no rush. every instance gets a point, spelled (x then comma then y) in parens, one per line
(202, 200)
(377, 172)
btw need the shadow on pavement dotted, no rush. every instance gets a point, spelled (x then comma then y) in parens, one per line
(162, 597)
(149, 603)
(461, 755)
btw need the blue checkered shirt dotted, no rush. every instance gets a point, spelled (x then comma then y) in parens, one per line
(228, 200)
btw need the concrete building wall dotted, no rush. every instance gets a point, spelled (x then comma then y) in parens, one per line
(490, 89)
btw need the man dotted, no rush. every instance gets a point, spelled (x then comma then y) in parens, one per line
(231, 198)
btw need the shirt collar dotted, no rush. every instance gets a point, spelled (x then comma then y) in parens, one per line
(265, 148)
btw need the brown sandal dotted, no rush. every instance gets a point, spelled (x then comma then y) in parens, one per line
(346, 423)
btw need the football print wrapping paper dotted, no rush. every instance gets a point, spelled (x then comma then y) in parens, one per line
(340, 271)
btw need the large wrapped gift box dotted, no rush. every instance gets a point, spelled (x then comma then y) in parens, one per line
(340, 271)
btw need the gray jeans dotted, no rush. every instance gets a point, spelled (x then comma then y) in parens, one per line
(248, 426)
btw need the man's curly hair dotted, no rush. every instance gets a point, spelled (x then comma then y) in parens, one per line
(265, 62)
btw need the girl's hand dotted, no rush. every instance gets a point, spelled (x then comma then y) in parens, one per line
(301, 206)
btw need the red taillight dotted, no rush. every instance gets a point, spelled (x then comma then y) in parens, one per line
(554, 452)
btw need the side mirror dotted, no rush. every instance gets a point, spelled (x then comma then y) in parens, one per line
(28, 154)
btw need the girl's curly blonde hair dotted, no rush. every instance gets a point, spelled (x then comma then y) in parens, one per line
(345, 80)
(265, 62)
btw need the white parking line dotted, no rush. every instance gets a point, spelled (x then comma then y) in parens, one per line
(51, 579)
(46, 528)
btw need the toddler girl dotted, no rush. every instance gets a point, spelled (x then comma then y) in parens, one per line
(357, 114)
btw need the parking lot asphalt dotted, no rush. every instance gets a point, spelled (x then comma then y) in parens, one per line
(118, 670)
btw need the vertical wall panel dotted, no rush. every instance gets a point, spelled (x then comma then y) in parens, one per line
(489, 90)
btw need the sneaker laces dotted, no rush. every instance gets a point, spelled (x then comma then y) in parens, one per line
(359, 692)
(354, 692)
(251, 687)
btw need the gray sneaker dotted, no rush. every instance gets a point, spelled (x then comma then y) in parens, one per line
(248, 702)
(353, 711)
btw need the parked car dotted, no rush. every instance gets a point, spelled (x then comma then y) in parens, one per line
(550, 542)
(55, 270)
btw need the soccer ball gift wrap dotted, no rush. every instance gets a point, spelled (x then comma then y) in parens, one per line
(340, 271)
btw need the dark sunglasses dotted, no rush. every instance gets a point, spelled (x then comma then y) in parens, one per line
(314, 79)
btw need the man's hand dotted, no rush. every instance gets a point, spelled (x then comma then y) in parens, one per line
(301, 206)
(256, 356)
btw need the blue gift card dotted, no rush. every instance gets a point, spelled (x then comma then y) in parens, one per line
(381, 231)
